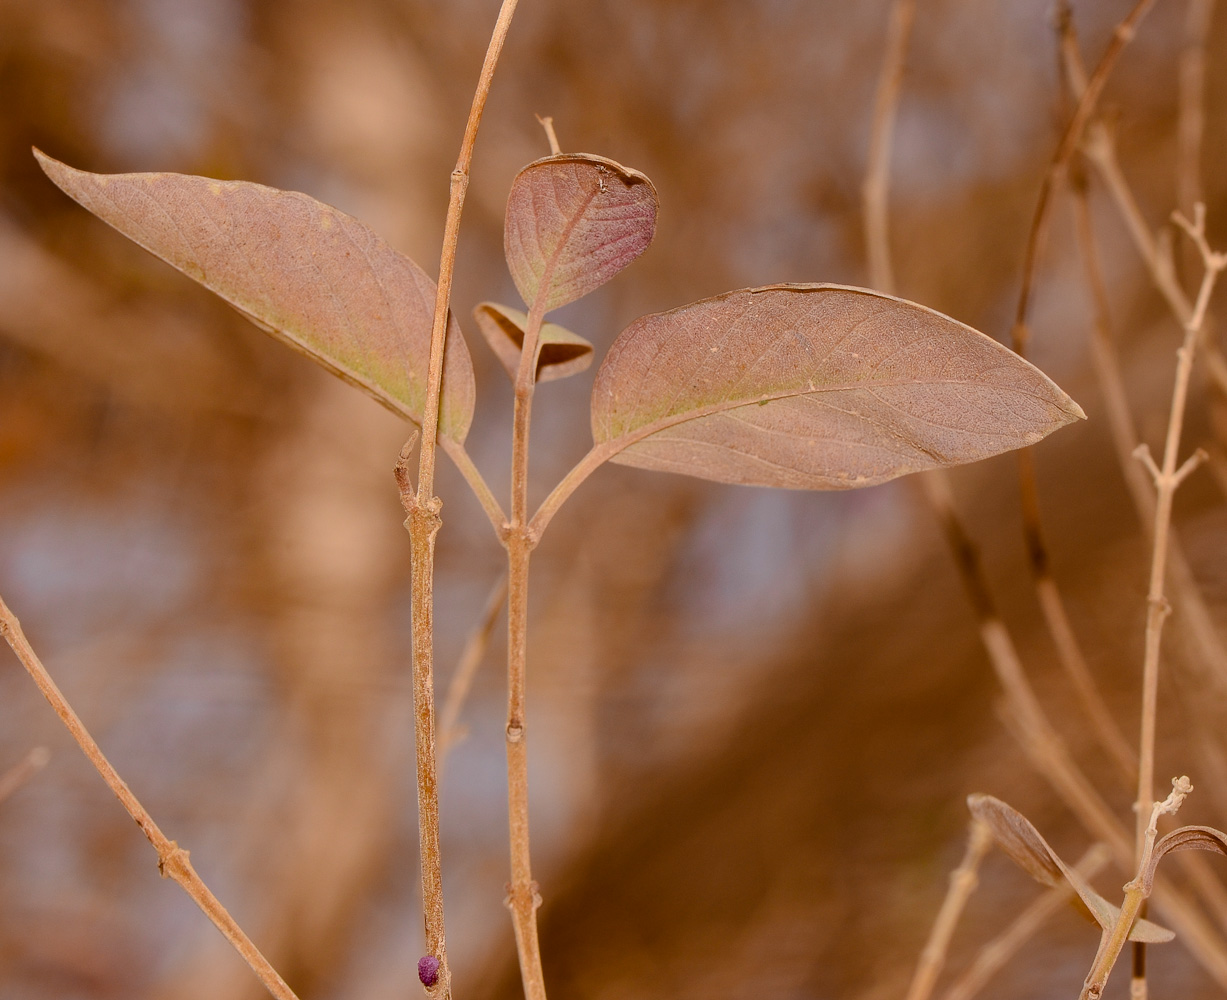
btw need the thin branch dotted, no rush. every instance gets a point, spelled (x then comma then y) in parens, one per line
(994, 955)
(450, 731)
(875, 191)
(1166, 481)
(23, 771)
(423, 523)
(963, 882)
(551, 136)
(173, 861)
(1192, 121)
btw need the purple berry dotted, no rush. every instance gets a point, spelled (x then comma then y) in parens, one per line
(428, 970)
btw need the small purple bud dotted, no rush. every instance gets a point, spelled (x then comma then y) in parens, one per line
(428, 970)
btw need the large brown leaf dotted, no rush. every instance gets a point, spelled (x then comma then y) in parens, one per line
(574, 221)
(814, 387)
(307, 273)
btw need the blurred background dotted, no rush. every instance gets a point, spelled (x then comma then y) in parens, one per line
(754, 715)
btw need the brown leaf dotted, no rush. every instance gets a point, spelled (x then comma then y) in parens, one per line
(815, 387)
(574, 221)
(560, 352)
(301, 270)
(1022, 843)
(1186, 838)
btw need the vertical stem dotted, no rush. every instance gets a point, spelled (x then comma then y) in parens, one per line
(523, 897)
(173, 861)
(963, 882)
(423, 522)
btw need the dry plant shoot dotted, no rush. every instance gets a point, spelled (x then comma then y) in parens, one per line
(777, 695)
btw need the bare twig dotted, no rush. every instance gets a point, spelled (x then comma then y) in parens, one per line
(547, 123)
(1166, 480)
(450, 731)
(992, 958)
(875, 190)
(423, 522)
(963, 882)
(23, 771)
(173, 860)
(1192, 121)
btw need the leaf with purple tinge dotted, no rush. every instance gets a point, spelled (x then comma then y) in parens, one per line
(574, 221)
(1022, 843)
(560, 352)
(814, 387)
(312, 276)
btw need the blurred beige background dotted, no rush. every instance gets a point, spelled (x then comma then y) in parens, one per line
(755, 715)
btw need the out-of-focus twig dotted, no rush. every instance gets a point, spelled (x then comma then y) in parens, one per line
(23, 771)
(450, 730)
(173, 861)
(992, 958)
(963, 882)
(875, 190)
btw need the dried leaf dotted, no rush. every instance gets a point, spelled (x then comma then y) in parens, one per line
(560, 352)
(310, 275)
(815, 387)
(573, 222)
(1186, 838)
(1022, 843)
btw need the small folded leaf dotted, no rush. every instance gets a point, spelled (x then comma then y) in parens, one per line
(574, 221)
(1022, 843)
(560, 352)
(819, 387)
(301, 270)
(1186, 838)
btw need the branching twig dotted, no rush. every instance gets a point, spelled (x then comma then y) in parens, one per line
(173, 860)
(963, 882)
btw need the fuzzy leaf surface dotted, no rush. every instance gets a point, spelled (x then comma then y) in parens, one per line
(312, 276)
(819, 387)
(1022, 843)
(574, 221)
(559, 351)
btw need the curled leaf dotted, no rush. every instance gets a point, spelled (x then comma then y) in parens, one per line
(1186, 838)
(1022, 843)
(560, 352)
(814, 387)
(310, 275)
(574, 221)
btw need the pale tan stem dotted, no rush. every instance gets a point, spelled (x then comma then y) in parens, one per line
(23, 771)
(875, 190)
(551, 136)
(1167, 479)
(994, 955)
(450, 731)
(173, 860)
(963, 882)
(1191, 124)
(423, 523)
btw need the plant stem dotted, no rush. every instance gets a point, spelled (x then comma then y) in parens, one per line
(173, 861)
(1166, 480)
(423, 523)
(450, 730)
(523, 898)
(993, 956)
(963, 882)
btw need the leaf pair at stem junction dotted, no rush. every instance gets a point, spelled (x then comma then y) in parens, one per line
(798, 386)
